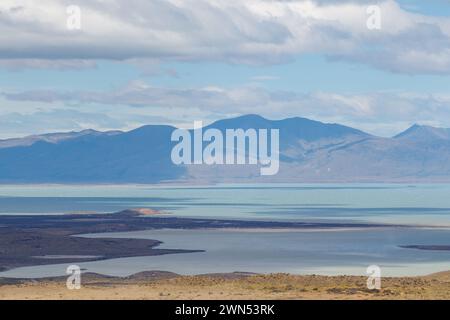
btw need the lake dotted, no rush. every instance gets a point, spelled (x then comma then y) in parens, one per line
(318, 252)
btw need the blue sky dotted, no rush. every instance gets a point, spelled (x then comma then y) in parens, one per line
(305, 73)
(175, 62)
(429, 7)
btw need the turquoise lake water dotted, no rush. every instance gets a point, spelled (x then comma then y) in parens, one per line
(320, 252)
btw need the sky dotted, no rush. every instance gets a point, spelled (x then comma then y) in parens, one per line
(380, 66)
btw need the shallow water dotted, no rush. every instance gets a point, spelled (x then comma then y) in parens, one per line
(385, 203)
(319, 252)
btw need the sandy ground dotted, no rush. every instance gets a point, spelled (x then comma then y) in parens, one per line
(157, 285)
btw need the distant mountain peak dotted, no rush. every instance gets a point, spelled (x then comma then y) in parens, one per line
(52, 137)
(417, 131)
(243, 121)
(291, 128)
(251, 116)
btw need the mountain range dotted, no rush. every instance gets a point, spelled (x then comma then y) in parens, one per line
(310, 151)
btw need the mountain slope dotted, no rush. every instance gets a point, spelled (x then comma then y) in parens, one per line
(141, 155)
(310, 151)
(418, 132)
(51, 138)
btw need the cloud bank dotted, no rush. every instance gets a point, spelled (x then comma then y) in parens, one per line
(233, 31)
(382, 113)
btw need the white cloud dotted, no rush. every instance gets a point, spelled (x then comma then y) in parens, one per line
(383, 113)
(238, 31)
(58, 64)
(18, 124)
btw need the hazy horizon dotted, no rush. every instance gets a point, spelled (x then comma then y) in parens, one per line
(211, 122)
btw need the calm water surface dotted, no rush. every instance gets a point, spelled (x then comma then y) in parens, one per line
(322, 252)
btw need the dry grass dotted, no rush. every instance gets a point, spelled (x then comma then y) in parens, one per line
(275, 286)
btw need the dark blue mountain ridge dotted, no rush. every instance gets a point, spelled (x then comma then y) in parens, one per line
(296, 127)
(424, 132)
(310, 151)
(52, 137)
(141, 155)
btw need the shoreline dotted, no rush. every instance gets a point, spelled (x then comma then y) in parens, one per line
(25, 239)
(43, 240)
